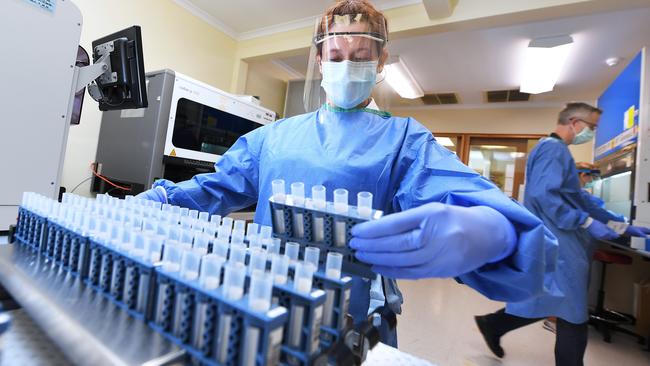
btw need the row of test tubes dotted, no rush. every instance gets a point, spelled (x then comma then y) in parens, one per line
(318, 201)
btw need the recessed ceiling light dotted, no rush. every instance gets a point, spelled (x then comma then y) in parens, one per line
(545, 59)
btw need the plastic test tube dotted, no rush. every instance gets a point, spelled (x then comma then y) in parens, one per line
(233, 289)
(210, 276)
(257, 261)
(274, 246)
(298, 196)
(171, 257)
(303, 277)
(216, 219)
(318, 201)
(251, 230)
(292, 250)
(237, 236)
(260, 291)
(184, 211)
(227, 222)
(364, 204)
(333, 271)
(233, 280)
(204, 216)
(259, 300)
(240, 225)
(301, 283)
(187, 236)
(190, 262)
(279, 196)
(279, 192)
(341, 208)
(201, 240)
(237, 253)
(333, 265)
(220, 249)
(279, 269)
(312, 256)
(153, 249)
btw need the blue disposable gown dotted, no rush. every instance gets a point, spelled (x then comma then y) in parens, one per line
(596, 209)
(553, 193)
(396, 159)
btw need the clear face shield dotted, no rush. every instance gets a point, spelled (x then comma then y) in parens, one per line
(346, 59)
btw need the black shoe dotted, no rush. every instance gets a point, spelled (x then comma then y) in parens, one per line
(493, 341)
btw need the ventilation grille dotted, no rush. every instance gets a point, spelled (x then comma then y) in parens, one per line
(503, 96)
(440, 98)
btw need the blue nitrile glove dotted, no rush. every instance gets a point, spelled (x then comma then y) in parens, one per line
(157, 194)
(434, 240)
(600, 231)
(637, 231)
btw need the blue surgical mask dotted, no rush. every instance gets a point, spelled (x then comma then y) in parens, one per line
(586, 135)
(348, 83)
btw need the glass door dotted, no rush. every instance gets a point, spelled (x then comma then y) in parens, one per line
(501, 160)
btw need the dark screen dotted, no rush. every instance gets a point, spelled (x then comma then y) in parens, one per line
(201, 128)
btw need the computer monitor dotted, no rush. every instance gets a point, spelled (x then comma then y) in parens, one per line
(123, 84)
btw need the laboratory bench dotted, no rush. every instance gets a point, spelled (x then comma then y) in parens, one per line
(62, 321)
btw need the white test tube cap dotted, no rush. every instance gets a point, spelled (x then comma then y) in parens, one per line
(194, 214)
(341, 201)
(333, 265)
(184, 211)
(261, 289)
(302, 279)
(292, 250)
(237, 253)
(190, 262)
(210, 276)
(279, 269)
(318, 196)
(279, 192)
(298, 193)
(312, 255)
(364, 204)
(257, 261)
(233, 280)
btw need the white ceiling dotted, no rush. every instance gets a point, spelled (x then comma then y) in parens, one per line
(471, 62)
(252, 18)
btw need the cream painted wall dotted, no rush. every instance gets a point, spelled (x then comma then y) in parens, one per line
(271, 91)
(172, 38)
(497, 120)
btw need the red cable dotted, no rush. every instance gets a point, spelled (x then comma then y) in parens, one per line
(106, 179)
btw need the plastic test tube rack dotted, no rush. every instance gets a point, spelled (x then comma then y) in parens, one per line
(326, 227)
(178, 307)
(195, 318)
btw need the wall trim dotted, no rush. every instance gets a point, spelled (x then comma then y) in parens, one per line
(207, 17)
(273, 29)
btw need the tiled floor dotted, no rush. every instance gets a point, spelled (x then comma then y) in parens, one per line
(437, 324)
